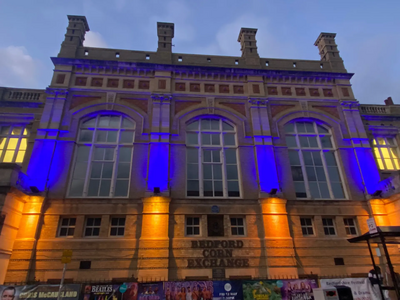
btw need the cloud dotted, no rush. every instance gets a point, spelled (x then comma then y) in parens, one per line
(18, 68)
(94, 39)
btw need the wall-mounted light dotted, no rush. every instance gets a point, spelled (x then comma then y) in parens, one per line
(156, 190)
(34, 189)
(273, 191)
(377, 193)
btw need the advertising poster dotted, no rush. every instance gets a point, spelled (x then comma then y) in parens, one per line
(151, 291)
(39, 292)
(188, 290)
(296, 289)
(125, 291)
(227, 290)
(360, 287)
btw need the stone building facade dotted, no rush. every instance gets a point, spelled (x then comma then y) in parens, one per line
(168, 166)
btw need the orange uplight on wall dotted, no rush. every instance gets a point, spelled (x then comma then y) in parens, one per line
(155, 217)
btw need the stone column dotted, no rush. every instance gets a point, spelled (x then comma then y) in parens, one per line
(154, 240)
(278, 242)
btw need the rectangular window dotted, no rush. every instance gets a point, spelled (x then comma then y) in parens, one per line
(92, 227)
(192, 226)
(307, 226)
(329, 226)
(237, 226)
(350, 226)
(215, 225)
(386, 153)
(67, 227)
(117, 227)
(13, 143)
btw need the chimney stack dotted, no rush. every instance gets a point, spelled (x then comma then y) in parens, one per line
(165, 33)
(389, 101)
(328, 50)
(248, 43)
(75, 36)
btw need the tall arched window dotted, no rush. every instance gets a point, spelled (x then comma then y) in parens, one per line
(211, 158)
(313, 161)
(103, 157)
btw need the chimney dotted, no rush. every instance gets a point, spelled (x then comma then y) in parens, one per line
(248, 43)
(328, 50)
(75, 36)
(165, 33)
(389, 101)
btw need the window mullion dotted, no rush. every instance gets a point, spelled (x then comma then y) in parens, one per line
(328, 179)
(304, 170)
(7, 138)
(115, 167)
(224, 174)
(201, 166)
(381, 156)
(89, 166)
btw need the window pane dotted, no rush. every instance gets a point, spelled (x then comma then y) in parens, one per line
(126, 137)
(95, 232)
(86, 136)
(313, 141)
(314, 190)
(330, 158)
(104, 121)
(193, 126)
(205, 124)
(218, 189)
(214, 124)
(289, 127)
(107, 170)
(208, 188)
(381, 141)
(113, 231)
(391, 141)
(240, 231)
(112, 136)
(294, 158)
(196, 221)
(337, 190)
(227, 127)
(317, 158)
(4, 130)
(196, 230)
(123, 170)
(322, 129)
(291, 141)
(105, 188)
(192, 138)
(125, 154)
(323, 187)
(240, 221)
(193, 188)
(217, 172)
(304, 142)
(300, 190)
(126, 123)
(93, 187)
(206, 139)
(311, 176)
(189, 230)
(229, 139)
(20, 156)
(12, 143)
(216, 155)
(121, 231)
(215, 139)
(230, 156)
(297, 174)
(83, 154)
(76, 187)
(192, 171)
(333, 174)
(309, 127)
(101, 136)
(109, 154)
(307, 156)
(233, 189)
(121, 188)
(233, 221)
(231, 172)
(207, 173)
(300, 127)
(207, 155)
(326, 142)
(96, 170)
(192, 155)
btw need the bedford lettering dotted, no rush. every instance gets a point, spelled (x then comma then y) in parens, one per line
(217, 244)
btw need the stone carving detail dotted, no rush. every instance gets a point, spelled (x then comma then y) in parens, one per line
(180, 86)
(164, 98)
(211, 104)
(287, 91)
(238, 89)
(80, 81)
(314, 92)
(300, 91)
(97, 82)
(258, 101)
(112, 83)
(272, 90)
(209, 88)
(162, 84)
(128, 84)
(195, 87)
(256, 88)
(111, 96)
(345, 92)
(144, 84)
(350, 105)
(224, 88)
(328, 92)
(304, 108)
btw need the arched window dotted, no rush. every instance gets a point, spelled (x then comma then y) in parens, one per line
(103, 157)
(211, 158)
(313, 161)
(13, 142)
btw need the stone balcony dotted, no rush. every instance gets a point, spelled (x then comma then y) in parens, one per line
(22, 95)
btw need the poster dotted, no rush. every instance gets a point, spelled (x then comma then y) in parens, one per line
(125, 291)
(296, 289)
(227, 290)
(188, 290)
(360, 287)
(39, 292)
(151, 291)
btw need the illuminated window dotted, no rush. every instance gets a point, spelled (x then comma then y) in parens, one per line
(192, 226)
(329, 226)
(350, 226)
(237, 226)
(13, 142)
(117, 227)
(313, 161)
(92, 226)
(66, 227)
(103, 157)
(386, 153)
(307, 226)
(211, 158)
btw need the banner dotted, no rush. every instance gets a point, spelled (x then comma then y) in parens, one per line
(360, 287)
(151, 291)
(39, 292)
(297, 289)
(125, 291)
(188, 290)
(227, 290)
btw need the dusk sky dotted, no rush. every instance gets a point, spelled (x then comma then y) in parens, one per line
(367, 34)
